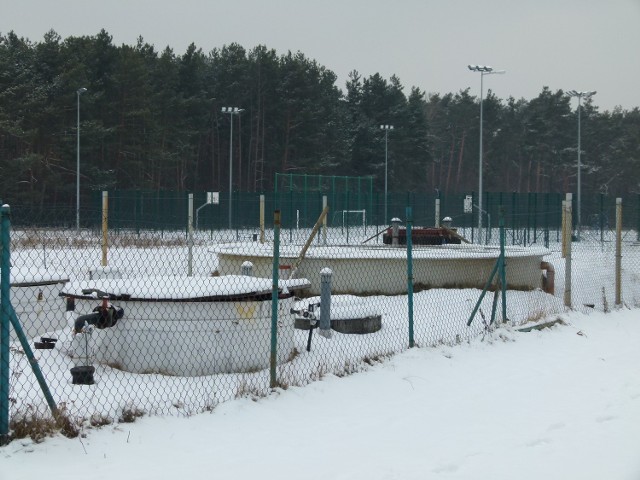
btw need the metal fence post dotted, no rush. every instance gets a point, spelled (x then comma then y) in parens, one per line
(601, 218)
(563, 229)
(638, 220)
(261, 218)
(568, 222)
(190, 236)
(5, 280)
(324, 327)
(274, 299)
(324, 221)
(409, 214)
(618, 251)
(105, 221)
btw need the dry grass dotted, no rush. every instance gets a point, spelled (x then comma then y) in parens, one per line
(37, 426)
(248, 389)
(99, 420)
(130, 414)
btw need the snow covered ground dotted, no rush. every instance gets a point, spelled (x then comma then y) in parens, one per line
(560, 403)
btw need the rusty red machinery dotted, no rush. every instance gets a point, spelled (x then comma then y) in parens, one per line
(423, 236)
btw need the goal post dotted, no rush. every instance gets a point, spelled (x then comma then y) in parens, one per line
(352, 218)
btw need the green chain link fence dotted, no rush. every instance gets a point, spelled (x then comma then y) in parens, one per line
(171, 319)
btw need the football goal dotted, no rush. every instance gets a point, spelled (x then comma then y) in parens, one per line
(351, 218)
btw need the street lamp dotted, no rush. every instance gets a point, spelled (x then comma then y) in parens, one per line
(586, 95)
(386, 129)
(79, 92)
(484, 70)
(231, 111)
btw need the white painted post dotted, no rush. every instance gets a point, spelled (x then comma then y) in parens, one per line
(437, 213)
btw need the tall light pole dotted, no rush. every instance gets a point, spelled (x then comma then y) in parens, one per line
(386, 129)
(79, 92)
(231, 111)
(586, 95)
(484, 70)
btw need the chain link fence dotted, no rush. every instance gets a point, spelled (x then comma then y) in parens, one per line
(174, 316)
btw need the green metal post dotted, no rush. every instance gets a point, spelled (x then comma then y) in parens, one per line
(291, 216)
(306, 200)
(601, 218)
(5, 280)
(528, 231)
(513, 218)
(559, 200)
(378, 214)
(547, 207)
(473, 202)
(484, 291)
(503, 265)
(535, 217)
(347, 209)
(409, 214)
(10, 314)
(274, 299)
(638, 220)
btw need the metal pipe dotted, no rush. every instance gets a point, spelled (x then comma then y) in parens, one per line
(274, 299)
(580, 95)
(325, 303)
(5, 292)
(79, 92)
(618, 251)
(409, 214)
(548, 285)
(105, 227)
(483, 70)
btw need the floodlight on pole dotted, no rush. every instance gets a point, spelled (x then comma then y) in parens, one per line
(386, 129)
(231, 111)
(79, 92)
(483, 70)
(580, 95)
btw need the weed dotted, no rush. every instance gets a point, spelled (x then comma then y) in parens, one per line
(99, 420)
(130, 414)
(37, 426)
(247, 390)
(32, 425)
(68, 426)
(535, 316)
(605, 304)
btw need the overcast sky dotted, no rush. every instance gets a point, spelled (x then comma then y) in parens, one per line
(562, 44)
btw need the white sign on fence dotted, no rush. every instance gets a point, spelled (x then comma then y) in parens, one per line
(468, 204)
(213, 197)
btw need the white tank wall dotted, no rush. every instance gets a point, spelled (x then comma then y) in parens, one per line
(39, 309)
(192, 338)
(389, 275)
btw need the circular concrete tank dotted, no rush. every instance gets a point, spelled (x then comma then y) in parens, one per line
(383, 269)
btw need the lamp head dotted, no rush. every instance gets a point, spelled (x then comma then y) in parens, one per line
(481, 68)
